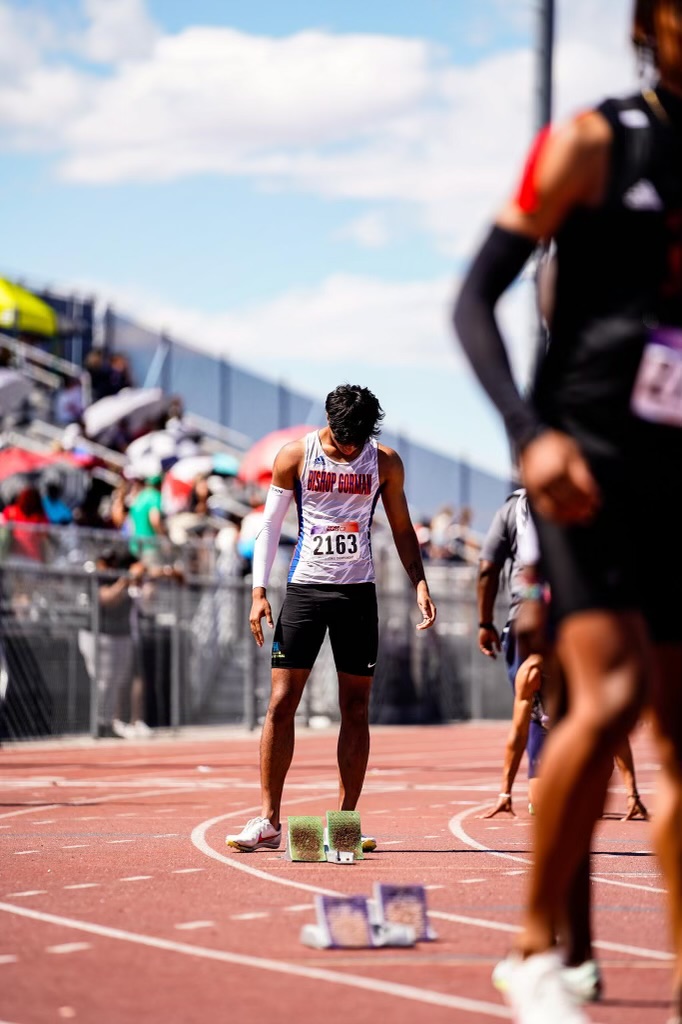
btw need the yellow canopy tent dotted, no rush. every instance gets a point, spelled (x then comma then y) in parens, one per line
(22, 311)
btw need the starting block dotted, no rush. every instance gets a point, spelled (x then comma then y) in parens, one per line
(344, 836)
(345, 922)
(404, 905)
(305, 839)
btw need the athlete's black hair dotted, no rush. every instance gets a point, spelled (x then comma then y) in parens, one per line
(644, 28)
(354, 414)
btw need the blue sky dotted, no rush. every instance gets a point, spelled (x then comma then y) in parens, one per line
(295, 185)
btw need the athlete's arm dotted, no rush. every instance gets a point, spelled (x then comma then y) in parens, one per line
(284, 475)
(486, 592)
(567, 168)
(392, 476)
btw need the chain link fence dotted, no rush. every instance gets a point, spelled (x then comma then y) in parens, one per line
(81, 647)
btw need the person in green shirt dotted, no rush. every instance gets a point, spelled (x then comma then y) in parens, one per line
(146, 518)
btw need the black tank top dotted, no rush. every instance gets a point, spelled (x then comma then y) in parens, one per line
(619, 270)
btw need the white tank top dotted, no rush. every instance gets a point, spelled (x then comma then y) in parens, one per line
(336, 502)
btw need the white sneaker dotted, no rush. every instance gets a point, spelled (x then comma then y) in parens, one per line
(141, 729)
(122, 729)
(257, 834)
(583, 981)
(538, 994)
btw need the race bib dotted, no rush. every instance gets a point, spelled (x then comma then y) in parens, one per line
(657, 394)
(340, 541)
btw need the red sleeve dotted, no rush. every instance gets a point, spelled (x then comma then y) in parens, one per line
(527, 197)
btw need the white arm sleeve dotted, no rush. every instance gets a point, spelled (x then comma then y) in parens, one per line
(267, 540)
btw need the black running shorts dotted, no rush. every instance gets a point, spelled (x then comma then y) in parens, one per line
(628, 558)
(348, 611)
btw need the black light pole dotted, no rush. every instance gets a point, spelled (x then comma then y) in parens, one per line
(545, 54)
(543, 117)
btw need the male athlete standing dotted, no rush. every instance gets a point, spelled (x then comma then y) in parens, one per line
(337, 475)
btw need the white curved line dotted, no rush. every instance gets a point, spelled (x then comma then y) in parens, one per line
(262, 963)
(457, 829)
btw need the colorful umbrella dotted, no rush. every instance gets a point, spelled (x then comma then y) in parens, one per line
(135, 405)
(20, 310)
(256, 466)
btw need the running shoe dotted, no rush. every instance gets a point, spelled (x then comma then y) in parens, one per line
(257, 834)
(369, 844)
(583, 981)
(538, 994)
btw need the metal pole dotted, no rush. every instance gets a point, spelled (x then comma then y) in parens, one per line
(545, 61)
(94, 682)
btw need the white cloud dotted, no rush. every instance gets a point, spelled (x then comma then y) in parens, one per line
(369, 232)
(117, 30)
(369, 117)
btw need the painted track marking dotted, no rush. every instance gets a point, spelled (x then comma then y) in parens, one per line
(408, 992)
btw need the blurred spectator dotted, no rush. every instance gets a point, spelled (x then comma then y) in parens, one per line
(146, 519)
(199, 495)
(110, 651)
(68, 402)
(442, 526)
(464, 544)
(54, 506)
(99, 373)
(423, 532)
(119, 375)
(26, 509)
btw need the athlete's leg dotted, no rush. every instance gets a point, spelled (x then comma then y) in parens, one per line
(353, 744)
(667, 821)
(625, 763)
(603, 655)
(277, 738)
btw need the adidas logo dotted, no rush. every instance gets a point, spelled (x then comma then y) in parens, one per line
(319, 461)
(643, 196)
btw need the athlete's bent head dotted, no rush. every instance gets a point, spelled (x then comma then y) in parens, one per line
(354, 414)
(657, 34)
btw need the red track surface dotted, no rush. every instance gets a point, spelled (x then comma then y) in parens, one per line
(119, 900)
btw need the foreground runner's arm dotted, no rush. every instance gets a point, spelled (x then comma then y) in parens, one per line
(284, 475)
(395, 504)
(566, 169)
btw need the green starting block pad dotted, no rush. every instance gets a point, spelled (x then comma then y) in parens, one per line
(344, 837)
(306, 838)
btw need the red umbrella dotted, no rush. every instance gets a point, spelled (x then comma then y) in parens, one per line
(256, 466)
(19, 460)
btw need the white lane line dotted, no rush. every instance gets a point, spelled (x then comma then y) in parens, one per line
(23, 853)
(434, 887)
(470, 881)
(192, 925)
(253, 916)
(68, 947)
(28, 892)
(185, 871)
(45, 821)
(409, 992)
(83, 885)
(198, 837)
(113, 842)
(296, 907)
(166, 835)
(458, 830)
(76, 846)
(8, 958)
(136, 878)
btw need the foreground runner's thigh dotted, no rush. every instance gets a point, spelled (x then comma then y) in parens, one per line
(300, 628)
(354, 628)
